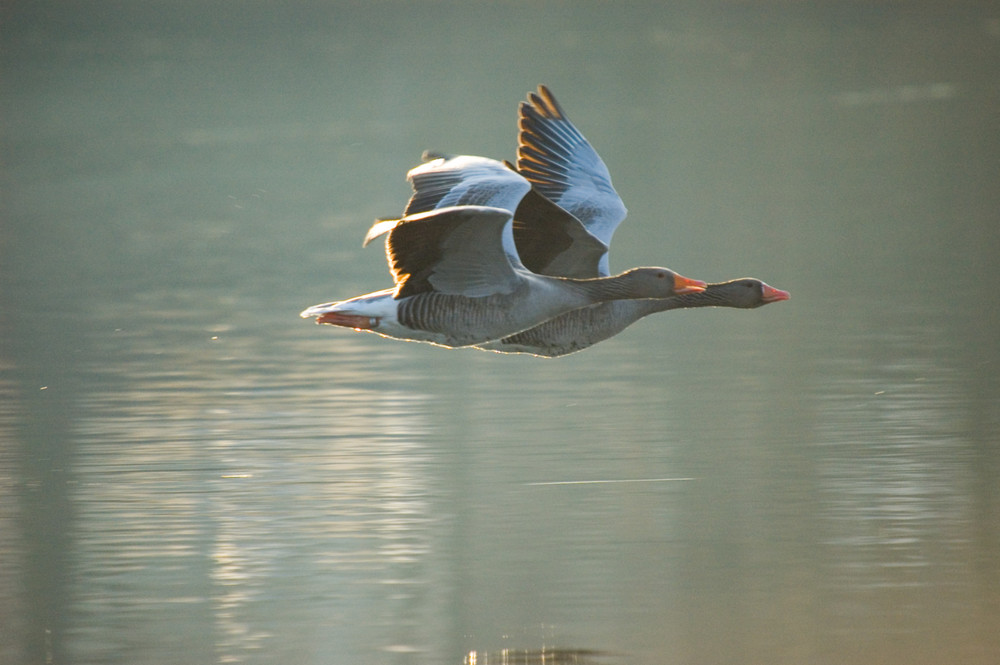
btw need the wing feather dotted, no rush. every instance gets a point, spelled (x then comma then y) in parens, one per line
(454, 250)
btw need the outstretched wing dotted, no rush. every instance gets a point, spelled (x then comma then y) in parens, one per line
(562, 165)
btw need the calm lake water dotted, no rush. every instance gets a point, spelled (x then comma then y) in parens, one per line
(190, 474)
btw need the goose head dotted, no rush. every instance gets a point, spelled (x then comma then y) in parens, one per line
(745, 293)
(657, 283)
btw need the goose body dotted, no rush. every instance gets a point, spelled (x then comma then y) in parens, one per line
(459, 281)
(566, 212)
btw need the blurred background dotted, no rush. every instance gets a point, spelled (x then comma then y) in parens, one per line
(189, 473)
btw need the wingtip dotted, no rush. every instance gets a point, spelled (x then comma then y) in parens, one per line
(380, 227)
(544, 103)
(314, 311)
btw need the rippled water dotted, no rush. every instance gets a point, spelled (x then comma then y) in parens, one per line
(310, 495)
(189, 473)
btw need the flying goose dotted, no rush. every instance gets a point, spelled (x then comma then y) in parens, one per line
(459, 281)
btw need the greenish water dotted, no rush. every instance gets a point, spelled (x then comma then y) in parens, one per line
(189, 473)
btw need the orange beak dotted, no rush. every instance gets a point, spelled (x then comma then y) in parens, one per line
(684, 285)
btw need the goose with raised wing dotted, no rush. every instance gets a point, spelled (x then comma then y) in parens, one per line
(563, 226)
(459, 281)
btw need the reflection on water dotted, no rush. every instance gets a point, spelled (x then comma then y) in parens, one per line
(889, 475)
(13, 612)
(903, 94)
(899, 496)
(540, 657)
(221, 496)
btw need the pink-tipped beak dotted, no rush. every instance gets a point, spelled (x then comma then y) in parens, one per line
(772, 294)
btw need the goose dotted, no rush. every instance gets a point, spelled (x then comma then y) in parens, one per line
(459, 282)
(563, 226)
(581, 328)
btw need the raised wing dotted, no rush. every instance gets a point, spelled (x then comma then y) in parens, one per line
(562, 165)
